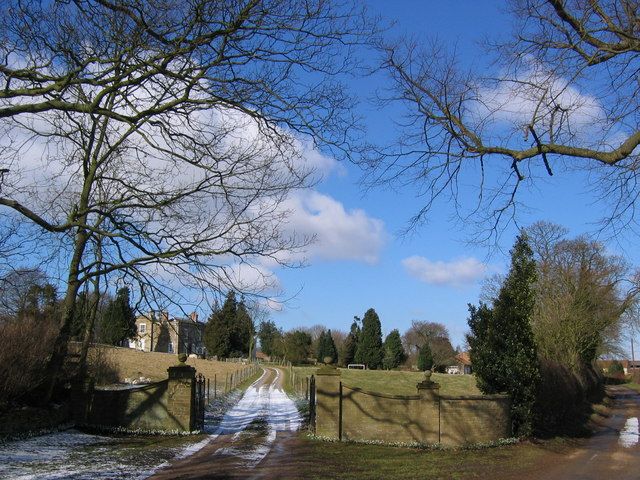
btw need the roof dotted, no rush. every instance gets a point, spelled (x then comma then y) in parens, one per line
(625, 363)
(464, 358)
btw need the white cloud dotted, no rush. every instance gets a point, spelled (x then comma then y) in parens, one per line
(339, 234)
(454, 273)
(541, 98)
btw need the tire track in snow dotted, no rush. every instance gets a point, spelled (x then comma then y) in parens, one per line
(269, 402)
(236, 446)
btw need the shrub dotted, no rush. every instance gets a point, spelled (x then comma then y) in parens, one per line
(27, 344)
(615, 369)
(425, 358)
(101, 367)
(561, 394)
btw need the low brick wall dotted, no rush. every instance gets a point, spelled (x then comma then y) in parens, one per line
(474, 419)
(388, 418)
(168, 405)
(348, 413)
(143, 407)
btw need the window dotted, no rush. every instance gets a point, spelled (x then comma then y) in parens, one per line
(142, 344)
(170, 347)
(142, 328)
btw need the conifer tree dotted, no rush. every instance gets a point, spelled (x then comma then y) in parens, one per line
(269, 335)
(503, 349)
(394, 353)
(321, 346)
(118, 321)
(327, 347)
(218, 331)
(241, 331)
(369, 349)
(425, 358)
(348, 353)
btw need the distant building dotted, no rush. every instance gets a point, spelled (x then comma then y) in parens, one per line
(627, 365)
(261, 356)
(158, 332)
(462, 365)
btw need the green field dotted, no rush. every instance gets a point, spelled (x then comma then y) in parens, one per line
(350, 461)
(399, 382)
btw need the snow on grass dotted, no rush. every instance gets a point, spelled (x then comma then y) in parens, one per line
(75, 455)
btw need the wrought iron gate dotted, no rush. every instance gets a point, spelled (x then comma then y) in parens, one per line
(312, 404)
(200, 401)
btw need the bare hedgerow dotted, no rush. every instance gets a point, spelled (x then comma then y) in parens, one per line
(27, 345)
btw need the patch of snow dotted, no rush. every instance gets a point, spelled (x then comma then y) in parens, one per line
(72, 454)
(629, 435)
(269, 402)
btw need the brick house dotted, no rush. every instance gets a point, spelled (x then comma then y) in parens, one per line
(462, 365)
(158, 332)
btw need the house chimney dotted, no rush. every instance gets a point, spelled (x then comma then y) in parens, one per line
(194, 316)
(165, 315)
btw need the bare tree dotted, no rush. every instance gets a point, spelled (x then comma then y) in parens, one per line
(584, 296)
(561, 94)
(168, 133)
(433, 333)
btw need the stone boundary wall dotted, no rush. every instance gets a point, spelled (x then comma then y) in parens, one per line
(474, 419)
(349, 413)
(388, 418)
(168, 405)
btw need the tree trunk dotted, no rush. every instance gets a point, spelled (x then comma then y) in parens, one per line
(56, 361)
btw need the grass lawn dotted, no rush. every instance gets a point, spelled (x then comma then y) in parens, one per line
(632, 386)
(324, 460)
(400, 382)
(130, 363)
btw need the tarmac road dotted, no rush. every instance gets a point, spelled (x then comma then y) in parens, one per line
(613, 452)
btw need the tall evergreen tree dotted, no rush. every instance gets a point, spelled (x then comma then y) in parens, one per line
(40, 302)
(218, 331)
(118, 320)
(349, 346)
(269, 335)
(394, 354)
(326, 347)
(242, 331)
(296, 346)
(425, 357)
(503, 350)
(330, 347)
(369, 349)
(321, 346)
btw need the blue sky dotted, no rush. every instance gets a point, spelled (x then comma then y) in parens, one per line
(360, 260)
(331, 289)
